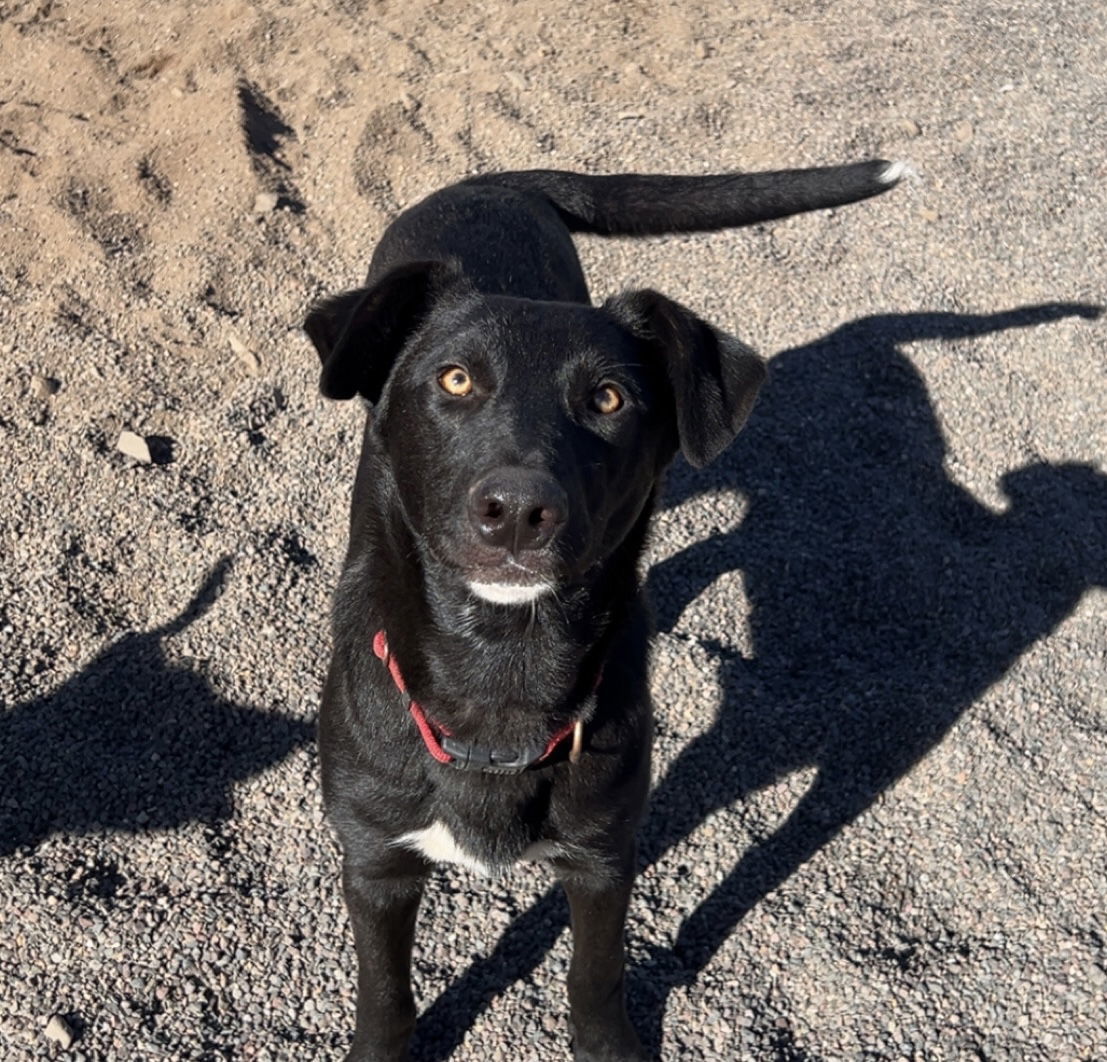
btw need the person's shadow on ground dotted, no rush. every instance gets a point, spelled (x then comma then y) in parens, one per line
(884, 600)
(133, 743)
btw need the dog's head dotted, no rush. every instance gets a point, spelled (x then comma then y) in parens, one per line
(526, 438)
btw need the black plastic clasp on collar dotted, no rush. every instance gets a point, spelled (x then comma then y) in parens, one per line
(468, 757)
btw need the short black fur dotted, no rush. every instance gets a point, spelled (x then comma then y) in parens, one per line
(514, 444)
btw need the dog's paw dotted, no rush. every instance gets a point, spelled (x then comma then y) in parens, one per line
(634, 1054)
(372, 1054)
(609, 1046)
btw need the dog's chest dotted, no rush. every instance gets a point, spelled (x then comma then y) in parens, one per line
(438, 844)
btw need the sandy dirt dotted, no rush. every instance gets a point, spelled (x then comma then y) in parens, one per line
(879, 824)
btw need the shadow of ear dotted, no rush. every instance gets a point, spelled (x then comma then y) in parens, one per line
(789, 404)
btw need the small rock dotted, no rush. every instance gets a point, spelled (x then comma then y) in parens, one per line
(928, 214)
(963, 132)
(702, 50)
(43, 386)
(265, 202)
(135, 446)
(58, 1030)
(909, 126)
(245, 354)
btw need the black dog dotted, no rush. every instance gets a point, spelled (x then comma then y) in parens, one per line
(487, 699)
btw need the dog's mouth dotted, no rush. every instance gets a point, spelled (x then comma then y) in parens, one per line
(510, 582)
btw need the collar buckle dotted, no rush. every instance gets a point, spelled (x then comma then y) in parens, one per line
(466, 757)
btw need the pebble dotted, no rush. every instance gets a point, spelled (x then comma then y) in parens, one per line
(43, 386)
(265, 202)
(134, 445)
(59, 1030)
(245, 354)
(963, 132)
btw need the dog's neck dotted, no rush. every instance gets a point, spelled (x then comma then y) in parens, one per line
(482, 669)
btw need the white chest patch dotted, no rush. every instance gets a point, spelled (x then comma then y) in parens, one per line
(437, 844)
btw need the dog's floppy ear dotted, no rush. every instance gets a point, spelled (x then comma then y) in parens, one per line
(714, 377)
(359, 333)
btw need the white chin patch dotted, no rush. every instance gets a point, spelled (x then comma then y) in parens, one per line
(508, 593)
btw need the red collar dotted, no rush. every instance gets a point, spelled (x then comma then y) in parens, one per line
(464, 756)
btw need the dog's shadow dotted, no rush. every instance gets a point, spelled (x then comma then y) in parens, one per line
(133, 742)
(884, 599)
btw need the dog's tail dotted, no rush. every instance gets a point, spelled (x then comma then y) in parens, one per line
(631, 204)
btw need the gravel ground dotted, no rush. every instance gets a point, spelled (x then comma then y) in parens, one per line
(878, 827)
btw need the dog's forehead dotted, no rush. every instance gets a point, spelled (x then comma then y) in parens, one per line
(527, 334)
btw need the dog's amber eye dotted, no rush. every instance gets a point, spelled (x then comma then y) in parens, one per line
(607, 399)
(455, 381)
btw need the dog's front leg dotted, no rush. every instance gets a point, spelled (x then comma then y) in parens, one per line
(382, 911)
(598, 907)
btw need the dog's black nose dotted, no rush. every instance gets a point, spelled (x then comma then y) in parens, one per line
(517, 508)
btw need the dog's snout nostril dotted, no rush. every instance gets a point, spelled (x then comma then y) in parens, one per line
(517, 509)
(541, 516)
